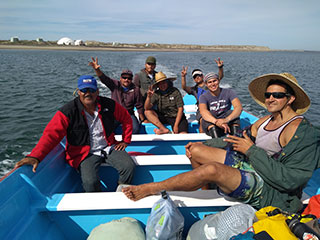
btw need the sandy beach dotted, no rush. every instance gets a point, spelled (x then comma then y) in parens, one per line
(133, 48)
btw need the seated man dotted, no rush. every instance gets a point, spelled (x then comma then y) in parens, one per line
(87, 122)
(271, 171)
(215, 108)
(200, 87)
(169, 103)
(124, 92)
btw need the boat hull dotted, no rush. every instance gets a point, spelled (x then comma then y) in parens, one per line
(50, 204)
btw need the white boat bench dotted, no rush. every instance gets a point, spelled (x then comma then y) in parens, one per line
(153, 160)
(117, 200)
(166, 137)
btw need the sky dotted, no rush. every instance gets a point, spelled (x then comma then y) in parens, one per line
(277, 24)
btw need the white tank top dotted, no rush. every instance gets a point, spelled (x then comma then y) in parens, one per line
(269, 140)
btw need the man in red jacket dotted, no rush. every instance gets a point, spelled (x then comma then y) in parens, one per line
(88, 124)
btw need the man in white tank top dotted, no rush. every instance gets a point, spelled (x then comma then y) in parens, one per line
(270, 171)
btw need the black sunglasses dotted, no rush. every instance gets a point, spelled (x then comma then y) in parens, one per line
(130, 78)
(277, 95)
(84, 90)
(197, 75)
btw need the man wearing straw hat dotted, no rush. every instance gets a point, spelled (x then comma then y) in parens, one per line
(169, 103)
(273, 167)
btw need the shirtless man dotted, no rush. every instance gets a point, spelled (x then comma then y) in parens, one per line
(272, 170)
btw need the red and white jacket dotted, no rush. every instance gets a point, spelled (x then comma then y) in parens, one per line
(70, 121)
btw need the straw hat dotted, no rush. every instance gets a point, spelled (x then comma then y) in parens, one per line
(160, 76)
(258, 87)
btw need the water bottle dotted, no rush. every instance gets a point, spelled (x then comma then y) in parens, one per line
(301, 230)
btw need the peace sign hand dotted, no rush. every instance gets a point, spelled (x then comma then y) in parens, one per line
(150, 91)
(184, 71)
(219, 62)
(94, 64)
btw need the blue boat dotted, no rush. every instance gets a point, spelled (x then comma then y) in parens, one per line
(50, 204)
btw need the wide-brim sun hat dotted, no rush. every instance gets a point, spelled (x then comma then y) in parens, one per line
(160, 76)
(258, 87)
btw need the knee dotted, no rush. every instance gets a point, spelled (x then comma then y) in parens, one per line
(195, 150)
(91, 184)
(211, 169)
(128, 164)
(207, 172)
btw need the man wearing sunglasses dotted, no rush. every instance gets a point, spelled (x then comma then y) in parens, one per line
(87, 122)
(124, 92)
(270, 168)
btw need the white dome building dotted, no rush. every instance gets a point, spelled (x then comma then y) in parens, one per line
(65, 41)
(79, 43)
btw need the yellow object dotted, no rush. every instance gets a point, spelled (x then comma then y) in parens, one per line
(275, 226)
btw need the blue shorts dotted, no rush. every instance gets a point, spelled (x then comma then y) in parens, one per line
(251, 184)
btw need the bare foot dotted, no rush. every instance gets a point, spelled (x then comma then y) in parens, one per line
(161, 131)
(138, 192)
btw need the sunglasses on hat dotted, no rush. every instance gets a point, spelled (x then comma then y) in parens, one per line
(277, 95)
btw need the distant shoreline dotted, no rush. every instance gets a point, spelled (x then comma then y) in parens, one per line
(161, 49)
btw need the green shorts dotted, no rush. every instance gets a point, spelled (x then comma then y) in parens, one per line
(251, 184)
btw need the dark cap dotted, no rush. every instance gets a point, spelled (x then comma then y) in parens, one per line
(151, 59)
(126, 72)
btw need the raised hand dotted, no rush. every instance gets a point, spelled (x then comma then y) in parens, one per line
(150, 91)
(219, 62)
(184, 71)
(94, 64)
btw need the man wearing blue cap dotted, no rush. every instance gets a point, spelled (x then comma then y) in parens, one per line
(88, 124)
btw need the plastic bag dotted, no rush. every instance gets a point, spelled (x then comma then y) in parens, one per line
(165, 221)
(223, 225)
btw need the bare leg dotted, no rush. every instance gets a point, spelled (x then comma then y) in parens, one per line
(200, 154)
(153, 118)
(227, 178)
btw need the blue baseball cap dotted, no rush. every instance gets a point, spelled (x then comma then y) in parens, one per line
(87, 81)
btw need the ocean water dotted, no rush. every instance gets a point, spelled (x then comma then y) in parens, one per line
(35, 83)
